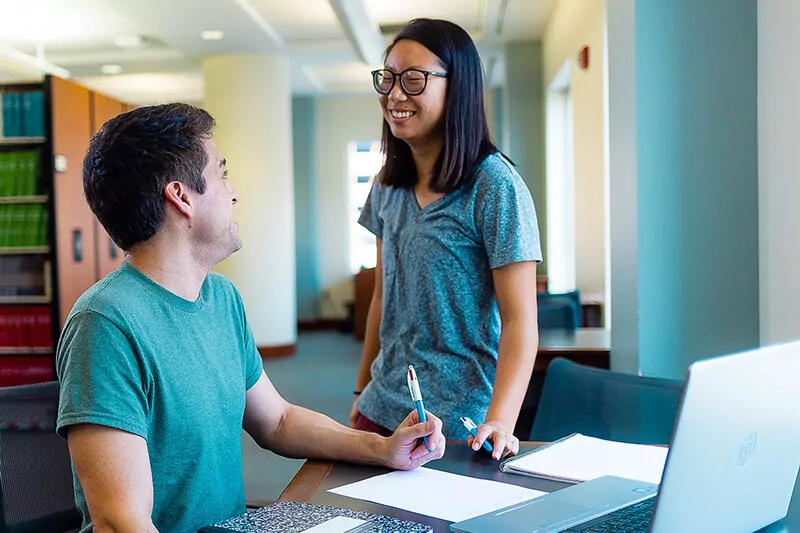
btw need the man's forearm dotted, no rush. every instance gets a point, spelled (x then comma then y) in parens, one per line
(517, 354)
(330, 441)
(121, 524)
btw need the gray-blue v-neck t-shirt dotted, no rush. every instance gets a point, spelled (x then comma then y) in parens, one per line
(439, 307)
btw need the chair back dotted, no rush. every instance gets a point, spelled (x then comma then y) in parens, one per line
(604, 404)
(559, 315)
(36, 489)
(560, 309)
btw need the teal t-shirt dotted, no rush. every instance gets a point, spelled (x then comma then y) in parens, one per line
(136, 357)
(440, 310)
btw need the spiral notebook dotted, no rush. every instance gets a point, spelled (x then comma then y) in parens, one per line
(297, 517)
(577, 458)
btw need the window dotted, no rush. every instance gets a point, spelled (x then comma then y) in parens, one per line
(560, 185)
(365, 160)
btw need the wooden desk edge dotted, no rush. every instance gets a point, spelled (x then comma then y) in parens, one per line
(307, 481)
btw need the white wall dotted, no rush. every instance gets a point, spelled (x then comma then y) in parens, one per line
(340, 120)
(779, 169)
(572, 24)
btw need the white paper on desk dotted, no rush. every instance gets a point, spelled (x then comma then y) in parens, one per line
(340, 524)
(581, 458)
(438, 494)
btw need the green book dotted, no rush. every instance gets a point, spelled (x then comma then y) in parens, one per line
(31, 232)
(5, 174)
(5, 230)
(44, 219)
(17, 219)
(30, 173)
(14, 172)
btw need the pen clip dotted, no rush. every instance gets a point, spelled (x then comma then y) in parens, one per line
(468, 423)
(413, 385)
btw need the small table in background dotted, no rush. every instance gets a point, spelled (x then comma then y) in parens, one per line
(585, 346)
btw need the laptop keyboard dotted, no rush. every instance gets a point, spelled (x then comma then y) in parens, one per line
(631, 519)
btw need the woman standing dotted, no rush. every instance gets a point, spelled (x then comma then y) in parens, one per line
(458, 243)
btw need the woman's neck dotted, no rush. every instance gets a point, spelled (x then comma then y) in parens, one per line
(425, 156)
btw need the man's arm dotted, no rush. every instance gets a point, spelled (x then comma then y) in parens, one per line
(113, 467)
(293, 431)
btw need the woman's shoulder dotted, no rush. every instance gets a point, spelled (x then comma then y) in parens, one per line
(496, 173)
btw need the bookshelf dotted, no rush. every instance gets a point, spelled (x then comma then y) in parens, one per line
(22, 141)
(33, 199)
(51, 246)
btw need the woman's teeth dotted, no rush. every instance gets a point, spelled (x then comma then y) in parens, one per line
(402, 114)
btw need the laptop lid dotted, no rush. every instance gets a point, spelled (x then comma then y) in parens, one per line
(734, 452)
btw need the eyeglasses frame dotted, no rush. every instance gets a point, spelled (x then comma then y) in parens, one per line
(396, 75)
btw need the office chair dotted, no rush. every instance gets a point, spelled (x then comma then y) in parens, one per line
(36, 492)
(558, 314)
(554, 308)
(604, 404)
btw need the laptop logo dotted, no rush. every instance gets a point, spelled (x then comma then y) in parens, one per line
(642, 490)
(748, 448)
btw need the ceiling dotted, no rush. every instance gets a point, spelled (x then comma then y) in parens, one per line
(331, 44)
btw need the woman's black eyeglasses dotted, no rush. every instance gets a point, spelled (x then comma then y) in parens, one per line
(413, 80)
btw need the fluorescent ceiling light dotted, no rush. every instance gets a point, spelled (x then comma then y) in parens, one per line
(33, 62)
(111, 69)
(130, 41)
(212, 35)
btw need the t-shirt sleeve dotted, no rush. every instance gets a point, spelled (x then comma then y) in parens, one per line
(101, 377)
(253, 363)
(506, 219)
(370, 214)
(251, 359)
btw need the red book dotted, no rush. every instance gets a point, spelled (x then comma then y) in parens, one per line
(25, 370)
(6, 339)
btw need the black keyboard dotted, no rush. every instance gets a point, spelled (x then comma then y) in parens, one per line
(631, 519)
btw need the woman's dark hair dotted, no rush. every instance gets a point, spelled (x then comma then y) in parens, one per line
(466, 134)
(132, 159)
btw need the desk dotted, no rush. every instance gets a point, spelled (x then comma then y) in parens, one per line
(316, 477)
(585, 346)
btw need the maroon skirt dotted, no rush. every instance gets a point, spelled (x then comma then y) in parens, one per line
(365, 424)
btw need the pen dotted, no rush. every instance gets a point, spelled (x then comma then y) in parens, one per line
(416, 397)
(473, 429)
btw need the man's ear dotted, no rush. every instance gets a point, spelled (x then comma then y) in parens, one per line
(177, 194)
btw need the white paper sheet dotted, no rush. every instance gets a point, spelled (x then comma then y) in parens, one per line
(438, 494)
(581, 458)
(340, 524)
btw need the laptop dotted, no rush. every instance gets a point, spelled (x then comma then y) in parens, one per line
(732, 463)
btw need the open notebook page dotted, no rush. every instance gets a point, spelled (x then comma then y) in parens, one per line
(581, 458)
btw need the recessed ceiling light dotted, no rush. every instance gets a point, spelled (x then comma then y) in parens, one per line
(130, 41)
(212, 35)
(111, 69)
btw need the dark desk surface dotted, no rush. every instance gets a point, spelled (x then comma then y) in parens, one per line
(315, 478)
(586, 346)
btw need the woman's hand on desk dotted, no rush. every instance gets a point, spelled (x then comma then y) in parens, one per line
(405, 449)
(504, 442)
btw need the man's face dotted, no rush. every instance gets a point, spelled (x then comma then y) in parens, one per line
(215, 227)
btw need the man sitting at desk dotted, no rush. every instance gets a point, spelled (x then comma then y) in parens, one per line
(158, 367)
